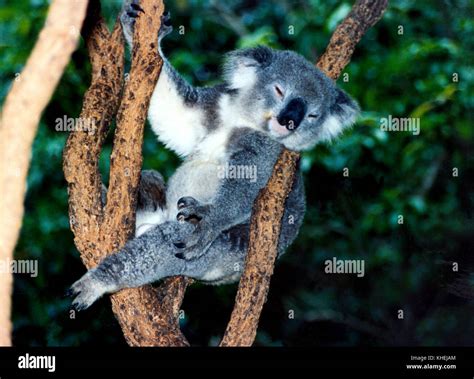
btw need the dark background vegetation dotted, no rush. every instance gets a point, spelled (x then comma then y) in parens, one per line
(408, 267)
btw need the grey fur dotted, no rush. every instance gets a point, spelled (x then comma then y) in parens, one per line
(210, 240)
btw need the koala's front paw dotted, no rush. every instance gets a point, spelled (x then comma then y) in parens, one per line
(191, 210)
(130, 12)
(166, 27)
(86, 291)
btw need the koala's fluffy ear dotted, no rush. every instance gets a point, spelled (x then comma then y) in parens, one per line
(240, 66)
(342, 114)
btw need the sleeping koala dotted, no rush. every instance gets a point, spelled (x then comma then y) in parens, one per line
(230, 137)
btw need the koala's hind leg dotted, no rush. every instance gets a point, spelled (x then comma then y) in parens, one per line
(152, 257)
(151, 191)
(151, 201)
(142, 260)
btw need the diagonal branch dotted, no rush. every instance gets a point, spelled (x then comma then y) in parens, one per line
(268, 208)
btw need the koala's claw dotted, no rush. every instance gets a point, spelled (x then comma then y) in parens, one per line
(191, 210)
(165, 27)
(180, 256)
(129, 15)
(86, 291)
(166, 18)
(187, 201)
(136, 7)
(188, 215)
(133, 10)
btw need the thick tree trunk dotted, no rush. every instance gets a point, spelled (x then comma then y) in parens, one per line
(268, 208)
(147, 317)
(21, 113)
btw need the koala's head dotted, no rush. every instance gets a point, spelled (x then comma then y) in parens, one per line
(288, 97)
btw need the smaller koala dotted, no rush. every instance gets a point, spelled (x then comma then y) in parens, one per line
(268, 100)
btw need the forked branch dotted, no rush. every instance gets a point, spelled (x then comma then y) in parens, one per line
(147, 317)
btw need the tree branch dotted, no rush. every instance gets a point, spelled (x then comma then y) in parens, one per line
(268, 208)
(364, 14)
(264, 232)
(18, 124)
(147, 317)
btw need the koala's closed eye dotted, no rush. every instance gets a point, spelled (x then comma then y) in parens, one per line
(279, 91)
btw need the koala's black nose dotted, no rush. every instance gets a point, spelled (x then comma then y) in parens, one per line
(293, 113)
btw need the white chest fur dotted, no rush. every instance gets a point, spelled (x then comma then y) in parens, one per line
(199, 176)
(179, 127)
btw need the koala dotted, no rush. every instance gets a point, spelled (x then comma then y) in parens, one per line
(197, 225)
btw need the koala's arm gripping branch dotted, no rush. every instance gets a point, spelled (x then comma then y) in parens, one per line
(268, 208)
(244, 190)
(146, 317)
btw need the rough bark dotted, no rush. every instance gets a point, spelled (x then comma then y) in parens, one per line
(147, 317)
(21, 113)
(82, 150)
(264, 232)
(364, 14)
(268, 208)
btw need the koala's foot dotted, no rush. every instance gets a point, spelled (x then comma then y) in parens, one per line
(86, 291)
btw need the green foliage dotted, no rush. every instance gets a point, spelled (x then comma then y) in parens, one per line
(407, 266)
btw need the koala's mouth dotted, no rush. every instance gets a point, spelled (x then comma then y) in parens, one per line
(276, 129)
